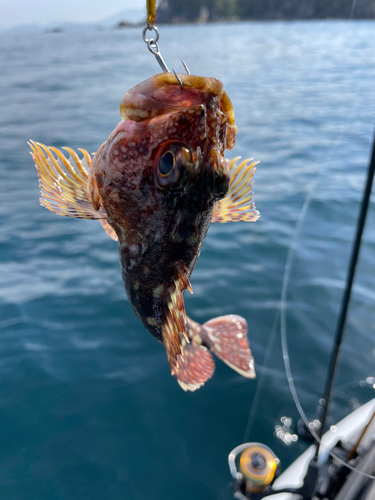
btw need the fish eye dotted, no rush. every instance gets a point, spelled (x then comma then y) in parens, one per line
(173, 162)
(166, 163)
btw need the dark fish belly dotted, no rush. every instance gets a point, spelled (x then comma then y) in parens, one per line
(150, 280)
(151, 267)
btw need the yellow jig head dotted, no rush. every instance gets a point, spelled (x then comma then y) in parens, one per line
(151, 12)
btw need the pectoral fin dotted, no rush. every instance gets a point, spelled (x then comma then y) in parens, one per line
(63, 182)
(238, 205)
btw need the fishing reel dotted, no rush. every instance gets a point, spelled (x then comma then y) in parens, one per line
(256, 472)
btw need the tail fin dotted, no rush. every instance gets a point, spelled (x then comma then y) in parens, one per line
(226, 336)
(195, 368)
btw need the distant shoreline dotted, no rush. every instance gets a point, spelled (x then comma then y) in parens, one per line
(269, 10)
(61, 29)
(235, 21)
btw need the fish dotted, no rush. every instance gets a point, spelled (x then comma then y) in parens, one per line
(155, 185)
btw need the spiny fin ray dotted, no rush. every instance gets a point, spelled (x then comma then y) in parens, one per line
(63, 182)
(238, 205)
(174, 330)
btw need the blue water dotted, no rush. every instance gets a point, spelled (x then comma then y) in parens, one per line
(88, 408)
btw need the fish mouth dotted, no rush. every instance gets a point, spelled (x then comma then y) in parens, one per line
(161, 94)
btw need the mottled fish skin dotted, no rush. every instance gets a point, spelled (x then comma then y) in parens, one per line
(161, 227)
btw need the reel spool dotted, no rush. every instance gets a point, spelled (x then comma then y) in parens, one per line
(257, 467)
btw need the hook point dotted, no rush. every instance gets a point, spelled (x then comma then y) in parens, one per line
(178, 79)
(186, 68)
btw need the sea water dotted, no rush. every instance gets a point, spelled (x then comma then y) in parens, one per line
(88, 409)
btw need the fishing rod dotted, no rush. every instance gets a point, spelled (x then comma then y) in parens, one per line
(340, 329)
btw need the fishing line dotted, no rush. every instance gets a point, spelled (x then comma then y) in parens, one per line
(281, 312)
(299, 225)
(284, 343)
(259, 389)
(354, 3)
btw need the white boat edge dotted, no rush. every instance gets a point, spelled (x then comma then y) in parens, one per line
(345, 430)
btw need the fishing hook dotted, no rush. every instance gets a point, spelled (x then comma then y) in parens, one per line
(178, 79)
(152, 43)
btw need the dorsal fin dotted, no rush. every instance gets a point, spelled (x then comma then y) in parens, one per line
(238, 205)
(63, 184)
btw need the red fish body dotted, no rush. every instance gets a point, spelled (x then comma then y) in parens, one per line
(158, 182)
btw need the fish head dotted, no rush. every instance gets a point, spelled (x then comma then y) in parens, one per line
(167, 154)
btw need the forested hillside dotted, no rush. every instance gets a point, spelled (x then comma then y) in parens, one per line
(215, 10)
